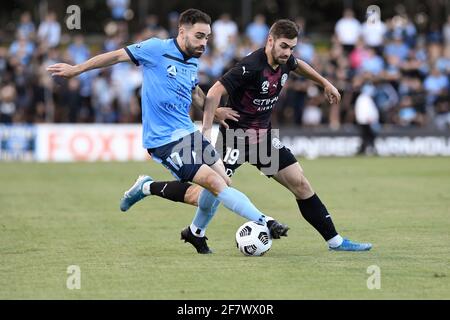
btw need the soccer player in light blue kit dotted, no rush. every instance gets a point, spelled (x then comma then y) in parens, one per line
(169, 88)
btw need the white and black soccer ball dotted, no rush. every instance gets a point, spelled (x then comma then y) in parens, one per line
(253, 239)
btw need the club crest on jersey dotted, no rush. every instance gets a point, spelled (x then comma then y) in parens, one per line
(283, 79)
(172, 71)
(265, 87)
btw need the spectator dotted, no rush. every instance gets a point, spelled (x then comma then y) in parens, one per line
(446, 32)
(293, 102)
(118, 8)
(396, 48)
(3, 63)
(26, 26)
(367, 117)
(301, 23)
(386, 98)
(78, 51)
(49, 32)
(414, 65)
(305, 50)
(443, 62)
(312, 114)
(258, 30)
(112, 43)
(103, 95)
(409, 86)
(72, 100)
(407, 114)
(373, 32)
(7, 103)
(442, 118)
(373, 63)
(224, 32)
(21, 50)
(125, 89)
(153, 28)
(434, 35)
(173, 24)
(410, 33)
(392, 70)
(435, 84)
(358, 55)
(348, 30)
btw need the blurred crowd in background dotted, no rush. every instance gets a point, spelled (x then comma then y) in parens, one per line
(387, 71)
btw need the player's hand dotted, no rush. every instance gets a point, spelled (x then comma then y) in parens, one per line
(226, 113)
(332, 94)
(63, 70)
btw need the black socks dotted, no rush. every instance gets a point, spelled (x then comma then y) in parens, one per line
(171, 190)
(317, 215)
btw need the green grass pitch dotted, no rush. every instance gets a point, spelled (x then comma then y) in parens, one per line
(56, 215)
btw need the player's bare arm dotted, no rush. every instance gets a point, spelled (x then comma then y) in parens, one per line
(198, 98)
(211, 102)
(221, 114)
(305, 70)
(100, 61)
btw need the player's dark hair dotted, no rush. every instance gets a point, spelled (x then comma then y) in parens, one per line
(193, 16)
(284, 29)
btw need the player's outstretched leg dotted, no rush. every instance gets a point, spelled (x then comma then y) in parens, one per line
(207, 204)
(197, 196)
(139, 190)
(236, 201)
(314, 211)
(176, 191)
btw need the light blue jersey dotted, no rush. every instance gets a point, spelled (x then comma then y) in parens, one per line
(169, 78)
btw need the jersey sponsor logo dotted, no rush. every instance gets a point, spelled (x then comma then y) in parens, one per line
(244, 71)
(265, 87)
(172, 71)
(265, 104)
(277, 144)
(283, 79)
(265, 108)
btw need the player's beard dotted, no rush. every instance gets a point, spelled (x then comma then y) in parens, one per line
(277, 58)
(193, 51)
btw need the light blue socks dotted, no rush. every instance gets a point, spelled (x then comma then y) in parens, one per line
(232, 199)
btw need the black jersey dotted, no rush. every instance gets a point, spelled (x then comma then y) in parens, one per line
(253, 89)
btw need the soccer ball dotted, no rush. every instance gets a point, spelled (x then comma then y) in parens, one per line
(253, 239)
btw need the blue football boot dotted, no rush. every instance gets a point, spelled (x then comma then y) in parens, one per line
(348, 245)
(134, 194)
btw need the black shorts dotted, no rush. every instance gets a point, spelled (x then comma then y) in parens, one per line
(185, 156)
(269, 155)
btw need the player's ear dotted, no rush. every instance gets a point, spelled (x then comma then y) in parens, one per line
(270, 41)
(181, 30)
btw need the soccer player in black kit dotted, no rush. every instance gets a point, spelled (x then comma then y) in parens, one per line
(253, 86)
